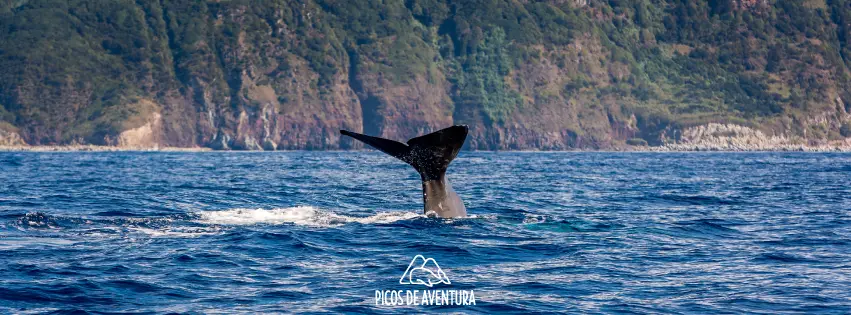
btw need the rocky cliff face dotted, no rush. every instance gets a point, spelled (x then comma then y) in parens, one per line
(10, 138)
(553, 75)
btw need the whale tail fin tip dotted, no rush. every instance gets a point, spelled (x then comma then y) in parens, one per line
(430, 154)
(395, 149)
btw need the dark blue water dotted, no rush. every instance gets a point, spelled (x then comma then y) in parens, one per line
(321, 232)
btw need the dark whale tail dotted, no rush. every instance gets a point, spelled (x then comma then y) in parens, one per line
(430, 154)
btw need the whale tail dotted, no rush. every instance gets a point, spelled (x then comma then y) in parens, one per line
(430, 154)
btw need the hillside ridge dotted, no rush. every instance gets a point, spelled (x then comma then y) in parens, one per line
(524, 75)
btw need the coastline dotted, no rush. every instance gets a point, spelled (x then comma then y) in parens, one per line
(672, 148)
(96, 148)
(712, 137)
(786, 148)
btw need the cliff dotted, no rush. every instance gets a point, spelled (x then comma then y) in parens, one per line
(271, 75)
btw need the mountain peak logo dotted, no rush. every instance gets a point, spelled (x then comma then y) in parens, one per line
(424, 271)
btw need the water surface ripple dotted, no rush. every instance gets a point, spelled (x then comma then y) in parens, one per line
(321, 231)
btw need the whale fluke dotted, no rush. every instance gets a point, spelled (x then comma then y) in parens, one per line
(430, 155)
(395, 149)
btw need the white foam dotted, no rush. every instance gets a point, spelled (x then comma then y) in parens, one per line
(12, 243)
(176, 232)
(301, 215)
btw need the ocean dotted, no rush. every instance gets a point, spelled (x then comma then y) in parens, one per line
(334, 232)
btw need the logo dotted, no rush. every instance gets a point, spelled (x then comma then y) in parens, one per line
(426, 272)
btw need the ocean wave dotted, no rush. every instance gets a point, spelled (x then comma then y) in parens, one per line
(175, 232)
(108, 228)
(300, 215)
(555, 224)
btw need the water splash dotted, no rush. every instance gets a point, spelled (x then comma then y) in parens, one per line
(301, 215)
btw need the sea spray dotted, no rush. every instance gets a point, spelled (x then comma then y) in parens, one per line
(300, 215)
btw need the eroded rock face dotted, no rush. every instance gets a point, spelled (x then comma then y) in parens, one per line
(10, 138)
(731, 137)
(403, 111)
(715, 136)
(557, 111)
(147, 136)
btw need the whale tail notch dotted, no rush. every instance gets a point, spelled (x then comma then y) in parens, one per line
(430, 154)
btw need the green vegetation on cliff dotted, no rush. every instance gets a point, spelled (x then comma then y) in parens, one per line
(537, 74)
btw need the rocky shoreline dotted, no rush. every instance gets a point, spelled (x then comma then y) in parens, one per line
(710, 137)
(95, 148)
(722, 148)
(731, 137)
(666, 148)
